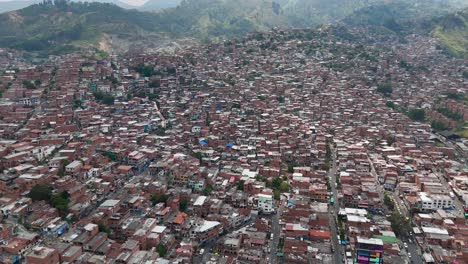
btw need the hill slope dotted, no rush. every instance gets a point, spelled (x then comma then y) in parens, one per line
(61, 27)
(452, 32)
(152, 5)
(13, 5)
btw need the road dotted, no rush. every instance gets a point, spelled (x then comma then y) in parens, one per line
(275, 232)
(210, 245)
(400, 206)
(413, 248)
(338, 253)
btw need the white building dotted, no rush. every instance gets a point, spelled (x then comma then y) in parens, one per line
(434, 202)
(265, 203)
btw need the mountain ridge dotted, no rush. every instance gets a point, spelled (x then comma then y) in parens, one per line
(64, 27)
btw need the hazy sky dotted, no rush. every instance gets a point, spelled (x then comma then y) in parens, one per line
(130, 2)
(134, 2)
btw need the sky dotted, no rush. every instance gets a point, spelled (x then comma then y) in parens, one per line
(130, 2)
(134, 2)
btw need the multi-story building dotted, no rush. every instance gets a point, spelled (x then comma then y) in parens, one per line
(369, 250)
(43, 255)
(434, 202)
(265, 203)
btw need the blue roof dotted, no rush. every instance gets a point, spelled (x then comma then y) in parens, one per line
(229, 145)
(203, 142)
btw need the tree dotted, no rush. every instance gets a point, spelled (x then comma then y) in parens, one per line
(29, 85)
(104, 228)
(159, 198)
(60, 202)
(98, 95)
(276, 195)
(386, 89)
(388, 201)
(438, 125)
(199, 156)
(207, 119)
(284, 187)
(162, 250)
(156, 83)
(276, 183)
(208, 189)
(240, 185)
(113, 80)
(417, 114)
(146, 71)
(401, 225)
(183, 205)
(77, 103)
(390, 140)
(390, 104)
(61, 171)
(290, 168)
(41, 193)
(108, 99)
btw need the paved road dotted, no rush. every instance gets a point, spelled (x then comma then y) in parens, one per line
(275, 232)
(413, 248)
(402, 209)
(338, 248)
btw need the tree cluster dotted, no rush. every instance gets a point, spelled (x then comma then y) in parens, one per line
(104, 98)
(386, 89)
(44, 193)
(417, 114)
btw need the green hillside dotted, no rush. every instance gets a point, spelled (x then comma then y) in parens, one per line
(62, 27)
(433, 18)
(396, 16)
(66, 26)
(452, 32)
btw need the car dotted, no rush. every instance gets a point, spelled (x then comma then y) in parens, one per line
(405, 245)
(410, 241)
(409, 255)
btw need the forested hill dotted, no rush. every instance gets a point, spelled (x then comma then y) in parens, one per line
(64, 26)
(452, 32)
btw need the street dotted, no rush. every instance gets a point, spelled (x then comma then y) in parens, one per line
(403, 210)
(275, 232)
(413, 248)
(338, 252)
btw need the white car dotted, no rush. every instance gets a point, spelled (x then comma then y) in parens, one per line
(409, 255)
(406, 245)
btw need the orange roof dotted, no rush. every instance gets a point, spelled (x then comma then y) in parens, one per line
(180, 218)
(319, 234)
(124, 168)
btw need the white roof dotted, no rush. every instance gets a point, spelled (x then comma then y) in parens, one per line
(434, 230)
(207, 225)
(158, 229)
(355, 211)
(200, 200)
(110, 203)
(90, 227)
(355, 218)
(375, 241)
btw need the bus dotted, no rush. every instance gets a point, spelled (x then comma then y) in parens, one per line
(332, 201)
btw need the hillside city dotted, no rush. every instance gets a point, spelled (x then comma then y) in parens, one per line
(325, 145)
